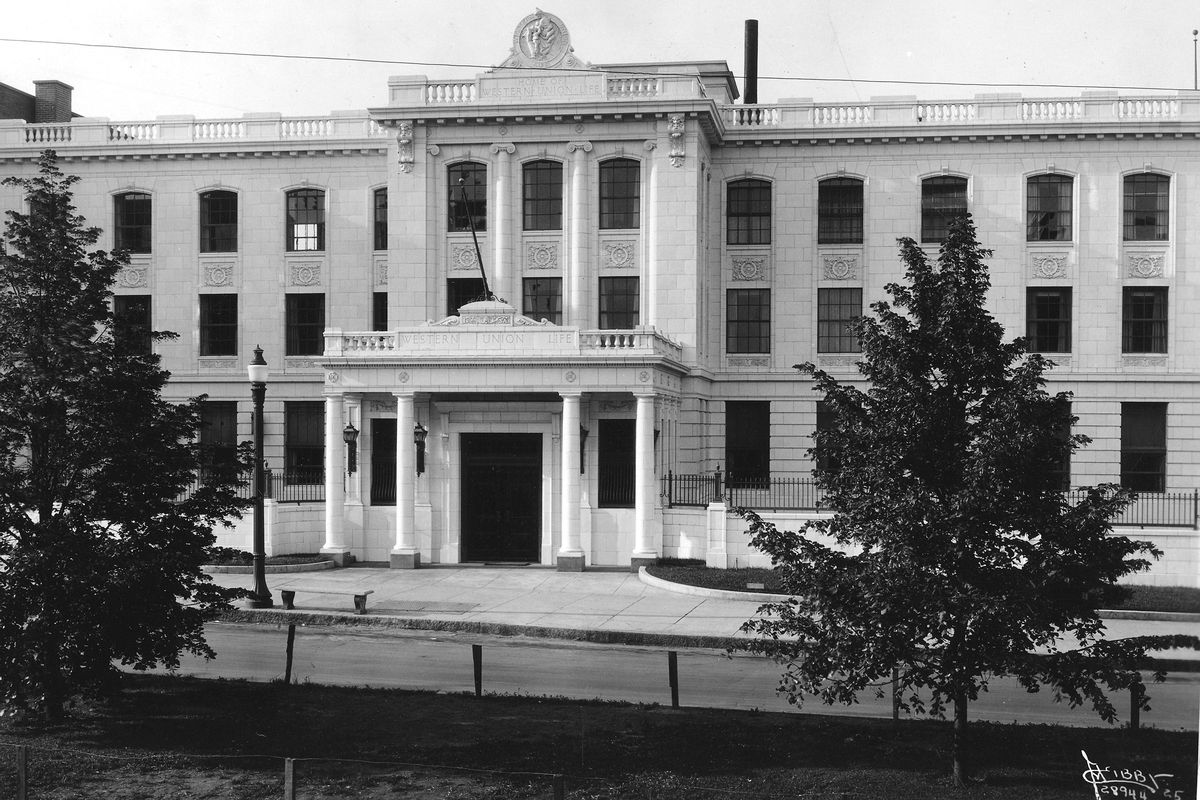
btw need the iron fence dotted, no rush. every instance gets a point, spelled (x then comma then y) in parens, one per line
(291, 486)
(790, 492)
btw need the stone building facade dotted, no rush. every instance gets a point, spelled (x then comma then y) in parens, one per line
(658, 258)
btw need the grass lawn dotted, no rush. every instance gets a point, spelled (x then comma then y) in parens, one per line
(166, 737)
(694, 573)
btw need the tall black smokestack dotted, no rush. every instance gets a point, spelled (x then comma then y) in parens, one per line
(750, 96)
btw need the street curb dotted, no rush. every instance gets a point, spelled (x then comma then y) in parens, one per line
(384, 622)
(1156, 616)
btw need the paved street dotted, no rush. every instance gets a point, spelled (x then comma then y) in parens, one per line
(442, 661)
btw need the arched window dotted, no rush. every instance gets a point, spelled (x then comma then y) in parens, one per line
(542, 195)
(620, 194)
(305, 226)
(131, 222)
(748, 212)
(840, 211)
(219, 222)
(1147, 203)
(469, 180)
(942, 199)
(1048, 208)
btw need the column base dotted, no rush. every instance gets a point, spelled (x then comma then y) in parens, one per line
(260, 602)
(338, 556)
(571, 563)
(638, 561)
(404, 560)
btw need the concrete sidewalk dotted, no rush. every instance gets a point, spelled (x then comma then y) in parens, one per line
(515, 600)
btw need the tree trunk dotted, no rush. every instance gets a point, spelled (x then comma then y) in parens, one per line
(959, 747)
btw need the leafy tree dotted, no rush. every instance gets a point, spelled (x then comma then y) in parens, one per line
(99, 561)
(952, 551)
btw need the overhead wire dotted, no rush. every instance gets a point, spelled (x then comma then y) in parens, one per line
(455, 65)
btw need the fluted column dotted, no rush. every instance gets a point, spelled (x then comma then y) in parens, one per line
(335, 477)
(405, 554)
(502, 259)
(577, 271)
(644, 553)
(570, 554)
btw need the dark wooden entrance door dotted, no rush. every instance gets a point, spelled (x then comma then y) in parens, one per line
(501, 496)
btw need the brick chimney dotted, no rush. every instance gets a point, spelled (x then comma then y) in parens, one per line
(53, 102)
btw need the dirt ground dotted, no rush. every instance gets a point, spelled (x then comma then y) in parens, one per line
(183, 738)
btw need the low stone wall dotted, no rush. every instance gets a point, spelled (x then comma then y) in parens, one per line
(287, 528)
(722, 540)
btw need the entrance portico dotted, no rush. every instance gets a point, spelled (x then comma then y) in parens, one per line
(490, 371)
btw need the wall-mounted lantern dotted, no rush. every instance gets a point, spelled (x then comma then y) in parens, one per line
(350, 437)
(419, 434)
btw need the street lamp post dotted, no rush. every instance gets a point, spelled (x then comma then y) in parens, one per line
(257, 372)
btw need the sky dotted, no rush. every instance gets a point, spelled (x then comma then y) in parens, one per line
(1081, 43)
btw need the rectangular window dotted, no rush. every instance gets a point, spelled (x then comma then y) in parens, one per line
(1144, 320)
(1062, 469)
(381, 219)
(218, 437)
(1048, 320)
(218, 324)
(460, 291)
(1147, 203)
(304, 442)
(383, 461)
(943, 199)
(826, 421)
(541, 298)
(542, 194)
(1144, 446)
(836, 310)
(305, 320)
(840, 211)
(620, 194)
(305, 220)
(132, 323)
(620, 299)
(1048, 208)
(748, 443)
(615, 463)
(467, 191)
(131, 222)
(219, 222)
(748, 212)
(748, 321)
(379, 303)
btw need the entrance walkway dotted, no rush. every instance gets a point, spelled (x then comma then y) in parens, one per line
(613, 601)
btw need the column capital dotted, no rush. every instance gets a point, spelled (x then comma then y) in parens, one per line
(507, 148)
(353, 397)
(576, 147)
(332, 391)
(411, 395)
(574, 395)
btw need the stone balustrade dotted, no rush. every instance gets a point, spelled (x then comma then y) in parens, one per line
(794, 117)
(167, 130)
(530, 341)
(983, 110)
